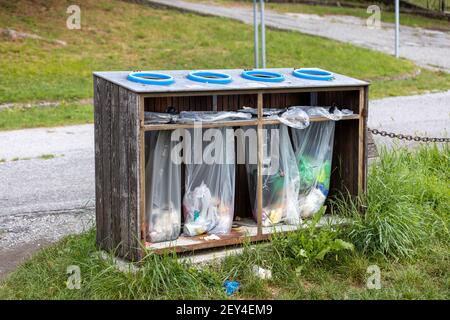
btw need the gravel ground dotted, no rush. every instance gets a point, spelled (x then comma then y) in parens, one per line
(425, 47)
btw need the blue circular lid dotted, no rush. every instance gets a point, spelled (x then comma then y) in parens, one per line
(150, 78)
(209, 77)
(313, 74)
(262, 75)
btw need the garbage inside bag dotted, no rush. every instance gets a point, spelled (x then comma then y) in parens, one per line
(211, 116)
(267, 112)
(294, 118)
(208, 203)
(313, 148)
(332, 113)
(281, 180)
(163, 191)
(158, 117)
(231, 287)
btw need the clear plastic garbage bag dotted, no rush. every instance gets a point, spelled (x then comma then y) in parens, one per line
(313, 148)
(158, 117)
(208, 203)
(294, 117)
(211, 116)
(163, 188)
(281, 180)
(267, 112)
(332, 113)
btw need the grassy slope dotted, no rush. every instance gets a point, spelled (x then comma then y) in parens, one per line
(65, 113)
(386, 16)
(416, 182)
(130, 37)
(121, 36)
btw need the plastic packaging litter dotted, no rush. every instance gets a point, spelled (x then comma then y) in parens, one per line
(332, 113)
(163, 189)
(281, 180)
(208, 204)
(211, 116)
(295, 118)
(262, 273)
(267, 112)
(231, 287)
(158, 117)
(313, 149)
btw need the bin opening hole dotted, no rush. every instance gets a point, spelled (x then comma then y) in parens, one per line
(260, 75)
(313, 74)
(151, 78)
(209, 77)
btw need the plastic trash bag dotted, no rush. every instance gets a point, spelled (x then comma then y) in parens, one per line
(267, 112)
(163, 188)
(313, 148)
(281, 180)
(208, 203)
(332, 113)
(295, 118)
(212, 116)
(158, 117)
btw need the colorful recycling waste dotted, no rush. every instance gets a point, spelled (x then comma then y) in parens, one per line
(231, 287)
(208, 203)
(163, 191)
(314, 149)
(281, 180)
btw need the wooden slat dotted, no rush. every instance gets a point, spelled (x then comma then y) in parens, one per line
(98, 137)
(260, 144)
(240, 123)
(115, 172)
(124, 145)
(133, 173)
(106, 159)
(142, 164)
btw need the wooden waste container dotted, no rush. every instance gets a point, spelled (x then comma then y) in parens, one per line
(120, 153)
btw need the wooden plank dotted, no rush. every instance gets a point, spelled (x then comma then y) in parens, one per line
(142, 164)
(260, 159)
(98, 160)
(159, 127)
(115, 173)
(106, 158)
(362, 143)
(133, 173)
(123, 171)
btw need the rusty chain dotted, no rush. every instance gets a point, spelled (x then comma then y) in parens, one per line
(407, 137)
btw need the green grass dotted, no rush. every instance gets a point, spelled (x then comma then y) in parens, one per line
(134, 37)
(63, 114)
(411, 184)
(404, 210)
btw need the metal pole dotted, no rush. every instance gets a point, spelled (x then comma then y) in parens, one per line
(256, 36)
(397, 28)
(263, 35)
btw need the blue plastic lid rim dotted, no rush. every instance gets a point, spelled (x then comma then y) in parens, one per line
(261, 75)
(313, 74)
(157, 78)
(209, 77)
